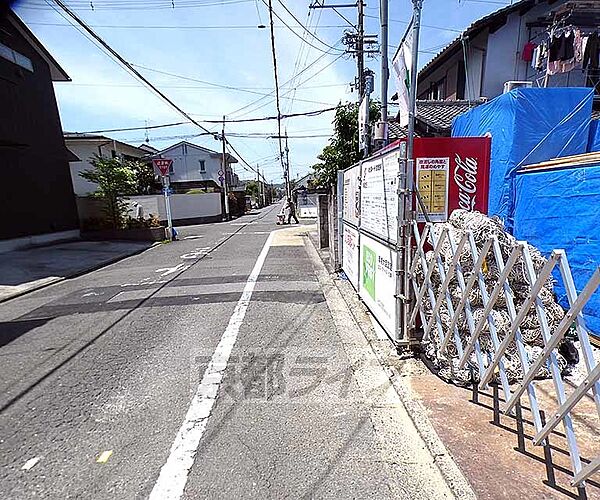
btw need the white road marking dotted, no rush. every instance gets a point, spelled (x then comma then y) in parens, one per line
(174, 474)
(193, 237)
(170, 270)
(30, 463)
(104, 456)
(196, 254)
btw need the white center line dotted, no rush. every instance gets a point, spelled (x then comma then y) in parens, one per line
(174, 473)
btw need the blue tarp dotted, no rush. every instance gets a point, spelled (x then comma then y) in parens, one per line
(594, 140)
(527, 126)
(559, 209)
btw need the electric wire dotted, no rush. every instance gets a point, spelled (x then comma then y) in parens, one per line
(249, 105)
(216, 85)
(286, 93)
(135, 72)
(175, 27)
(305, 28)
(274, 53)
(243, 120)
(331, 47)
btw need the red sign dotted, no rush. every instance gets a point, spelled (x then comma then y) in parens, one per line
(452, 173)
(163, 165)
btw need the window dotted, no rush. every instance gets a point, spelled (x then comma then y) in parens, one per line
(14, 57)
(202, 166)
(171, 167)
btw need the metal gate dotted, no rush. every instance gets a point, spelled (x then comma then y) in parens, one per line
(449, 268)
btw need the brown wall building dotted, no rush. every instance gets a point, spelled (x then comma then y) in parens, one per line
(37, 193)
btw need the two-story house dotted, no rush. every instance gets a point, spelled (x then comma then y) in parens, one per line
(197, 167)
(501, 48)
(510, 45)
(37, 197)
(86, 146)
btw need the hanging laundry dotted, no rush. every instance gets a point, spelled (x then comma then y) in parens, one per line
(566, 51)
(536, 57)
(527, 53)
(553, 54)
(592, 52)
(578, 47)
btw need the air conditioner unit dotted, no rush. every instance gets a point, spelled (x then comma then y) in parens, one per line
(508, 86)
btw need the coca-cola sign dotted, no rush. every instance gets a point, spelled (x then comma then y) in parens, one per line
(467, 160)
(465, 177)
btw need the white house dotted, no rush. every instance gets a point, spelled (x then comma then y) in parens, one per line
(85, 147)
(197, 167)
(498, 48)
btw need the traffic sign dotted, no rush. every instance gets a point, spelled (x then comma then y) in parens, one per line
(221, 178)
(163, 165)
(220, 173)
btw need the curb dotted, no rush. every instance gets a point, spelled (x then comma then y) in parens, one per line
(385, 351)
(75, 274)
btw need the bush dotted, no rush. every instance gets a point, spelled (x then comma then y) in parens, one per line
(116, 179)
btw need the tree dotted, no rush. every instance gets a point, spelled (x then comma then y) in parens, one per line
(342, 150)
(252, 189)
(116, 179)
(144, 176)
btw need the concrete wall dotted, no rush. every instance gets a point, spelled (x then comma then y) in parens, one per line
(190, 207)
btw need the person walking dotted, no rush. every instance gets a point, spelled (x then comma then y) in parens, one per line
(290, 210)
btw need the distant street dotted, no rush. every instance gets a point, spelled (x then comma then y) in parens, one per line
(107, 378)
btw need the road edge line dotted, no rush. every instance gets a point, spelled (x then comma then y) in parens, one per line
(173, 477)
(448, 468)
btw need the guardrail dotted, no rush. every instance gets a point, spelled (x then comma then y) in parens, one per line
(461, 261)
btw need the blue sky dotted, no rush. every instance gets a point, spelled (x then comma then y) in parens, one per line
(218, 43)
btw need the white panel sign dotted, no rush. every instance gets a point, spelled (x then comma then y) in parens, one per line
(377, 282)
(352, 195)
(350, 255)
(379, 196)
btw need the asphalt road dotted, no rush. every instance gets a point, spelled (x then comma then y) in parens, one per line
(214, 359)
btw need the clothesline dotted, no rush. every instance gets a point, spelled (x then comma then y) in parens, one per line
(564, 49)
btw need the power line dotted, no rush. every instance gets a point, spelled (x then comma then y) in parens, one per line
(217, 85)
(285, 83)
(424, 25)
(331, 47)
(115, 54)
(242, 120)
(285, 172)
(287, 92)
(196, 87)
(302, 51)
(175, 27)
(142, 5)
(305, 28)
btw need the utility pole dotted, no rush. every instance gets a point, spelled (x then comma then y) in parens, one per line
(382, 128)
(360, 47)
(406, 192)
(224, 170)
(288, 188)
(274, 54)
